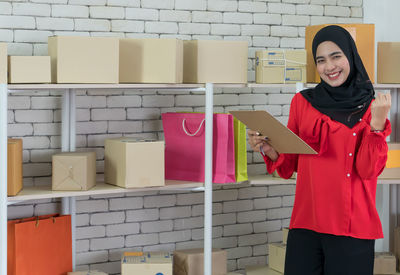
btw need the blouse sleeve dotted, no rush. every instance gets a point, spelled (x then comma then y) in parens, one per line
(372, 154)
(286, 164)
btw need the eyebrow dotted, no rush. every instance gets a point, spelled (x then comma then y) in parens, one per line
(331, 54)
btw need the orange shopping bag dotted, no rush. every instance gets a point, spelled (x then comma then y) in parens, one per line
(39, 245)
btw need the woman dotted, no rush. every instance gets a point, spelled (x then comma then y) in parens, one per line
(334, 220)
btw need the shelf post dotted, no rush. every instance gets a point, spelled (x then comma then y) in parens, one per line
(3, 178)
(208, 181)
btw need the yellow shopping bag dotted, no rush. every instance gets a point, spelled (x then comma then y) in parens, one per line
(240, 150)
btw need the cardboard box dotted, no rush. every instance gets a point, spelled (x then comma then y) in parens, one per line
(150, 60)
(3, 63)
(74, 171)
(89, 272)
(388, 62)
(14, 166)
(210, 61)
(277, 254)
(261, 270)
(281, 66)
(396, 249)
(191, 262)
(384, 263)
(146, 263)
(363, 35)
(285, 233)
(78, 59)
(29, 69)
(132, 162)
(392, 168)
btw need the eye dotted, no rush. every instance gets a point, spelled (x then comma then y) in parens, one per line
(337, 56)
(320, 61)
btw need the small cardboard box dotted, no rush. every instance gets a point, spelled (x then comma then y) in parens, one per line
(132, 162)
(396, 238)
(384, 263)
(392, 168)
(29, 69)
(190, 262)
(363, 35)
(74, 171)
(14, 166)
(281, 66)
(285, 233)
(261, 270)
(388, 62)
(150, 60)
(3, 63)
(77, 59)
(146, 263)
(89, 272)
(277, 254)
(210, 61)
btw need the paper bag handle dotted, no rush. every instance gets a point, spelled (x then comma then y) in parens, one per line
(186, 131)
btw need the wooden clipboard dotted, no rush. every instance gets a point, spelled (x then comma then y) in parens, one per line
(282, 139)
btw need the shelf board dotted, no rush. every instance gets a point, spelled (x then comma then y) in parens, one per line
(24, 87)
(15, 87)
(45, 192)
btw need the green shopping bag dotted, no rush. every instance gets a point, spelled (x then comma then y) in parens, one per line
(240, 150)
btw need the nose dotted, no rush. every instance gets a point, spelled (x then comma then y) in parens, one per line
(329, 66)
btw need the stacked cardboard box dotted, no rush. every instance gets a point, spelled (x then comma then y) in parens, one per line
(384, 263)
(146, 263)
(392, 168)
(14, 166)
(281, 66)
(388, 62)
(78, 59)
(132, 162)
(74, 171)
(150, 60)
(29, 69)
(190, 262)
(210, 61)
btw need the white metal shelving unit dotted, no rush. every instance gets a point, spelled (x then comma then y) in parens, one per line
(68, 144)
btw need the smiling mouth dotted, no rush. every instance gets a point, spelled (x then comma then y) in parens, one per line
(333, 76)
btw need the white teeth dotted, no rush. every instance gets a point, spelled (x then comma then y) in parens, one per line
(333, 75)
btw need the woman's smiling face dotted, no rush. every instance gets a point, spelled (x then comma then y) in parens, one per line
(332, 65)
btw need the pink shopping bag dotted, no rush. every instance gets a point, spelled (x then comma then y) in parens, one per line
(184, 147)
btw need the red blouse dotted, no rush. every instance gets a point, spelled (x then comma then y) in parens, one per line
(335, 190)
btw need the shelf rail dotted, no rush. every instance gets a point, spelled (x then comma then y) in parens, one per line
(3, 178)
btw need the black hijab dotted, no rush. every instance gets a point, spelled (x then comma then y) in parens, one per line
(348, 102)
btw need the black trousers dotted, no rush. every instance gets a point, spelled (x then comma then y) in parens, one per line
(312, 253)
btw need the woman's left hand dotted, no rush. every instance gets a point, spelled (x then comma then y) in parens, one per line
(379, 111)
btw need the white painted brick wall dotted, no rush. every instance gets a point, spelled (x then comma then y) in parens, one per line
(70, 11)
(17, 22)
(310, 9)
(190, 4)
(245, 218)
(176, 16)
(5, 8)
(142, 14)
(249, 6)
(337, 11)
